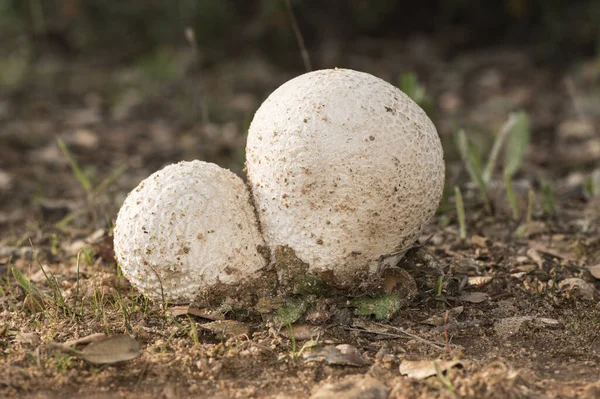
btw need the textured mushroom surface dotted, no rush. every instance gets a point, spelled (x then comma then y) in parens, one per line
(344, 168)
(188, 226)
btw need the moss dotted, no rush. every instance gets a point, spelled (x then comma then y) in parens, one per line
(382, 307)
(291, 311)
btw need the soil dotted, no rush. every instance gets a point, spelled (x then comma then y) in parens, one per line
(515, 302)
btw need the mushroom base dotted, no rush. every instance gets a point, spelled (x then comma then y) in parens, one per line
(287, 276)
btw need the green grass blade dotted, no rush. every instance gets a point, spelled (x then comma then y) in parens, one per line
(79, 175)
(498, 142)
(516, 145)
(512, 198)
(460, 212)
(111, 178)
(472, 161)
(23, 281)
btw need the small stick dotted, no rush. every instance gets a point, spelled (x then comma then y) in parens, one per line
(406, 333)
(299, 37)
(412, 336)
(446, 331)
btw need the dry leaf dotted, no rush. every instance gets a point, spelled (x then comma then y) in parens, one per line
(226, 328)
(595, 271)
(510, 325)
(474, 297)
(479, 281)
(87, 339)
(535, 256)
(532, 228)
(578, 288)
(185, 310)
(28, 339)
(114, 349)
(353, 387)
(343, 355)
(303, 332)
(546, 321)
(544, 249)
(421, 369)
(479, 241)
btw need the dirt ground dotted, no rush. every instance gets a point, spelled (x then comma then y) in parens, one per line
(514, 305)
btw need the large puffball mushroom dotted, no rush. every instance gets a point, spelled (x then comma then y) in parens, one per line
(345, 169)
(186, 228)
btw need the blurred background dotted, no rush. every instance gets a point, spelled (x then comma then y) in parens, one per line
(96, 95)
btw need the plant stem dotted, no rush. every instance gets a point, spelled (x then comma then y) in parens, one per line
(460, 211)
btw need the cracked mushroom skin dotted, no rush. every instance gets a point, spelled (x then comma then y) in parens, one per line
(187, 227)
(345, 169)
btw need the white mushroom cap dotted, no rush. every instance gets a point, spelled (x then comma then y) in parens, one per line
(188, 226)
(344, 168)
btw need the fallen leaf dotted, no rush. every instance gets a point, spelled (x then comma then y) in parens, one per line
(303, 332)
(535, 256)
(578, 288)
(353, 387)
(226, 328)
(290, 312)
(479, 241)
(544, 249)
(398, 281)
(185, 310)
(474, 297)
(546, 321)
(595, 271)
(421, 369)
(510, 325)
(6, 180)
(87, 339)
(342, 355)
(114, 349)
(526, 268)
(530, 229)
(28, 339)
(479, 281)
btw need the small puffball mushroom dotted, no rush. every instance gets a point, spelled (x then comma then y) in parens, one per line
(344, 168)
(188, 227)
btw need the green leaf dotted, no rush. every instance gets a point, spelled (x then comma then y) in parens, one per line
(291, 311)
(23, 281)
(516, 145)
(460, 212)
(472, 160)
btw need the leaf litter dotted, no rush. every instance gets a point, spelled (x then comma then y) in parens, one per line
(114, 349)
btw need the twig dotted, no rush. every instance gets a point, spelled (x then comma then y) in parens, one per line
(299, 37)
(433, 344)
(446, 331)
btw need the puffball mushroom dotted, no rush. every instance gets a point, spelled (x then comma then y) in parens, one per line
(186, 228)
(344, 169)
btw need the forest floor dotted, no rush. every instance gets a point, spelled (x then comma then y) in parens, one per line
(511, 311)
